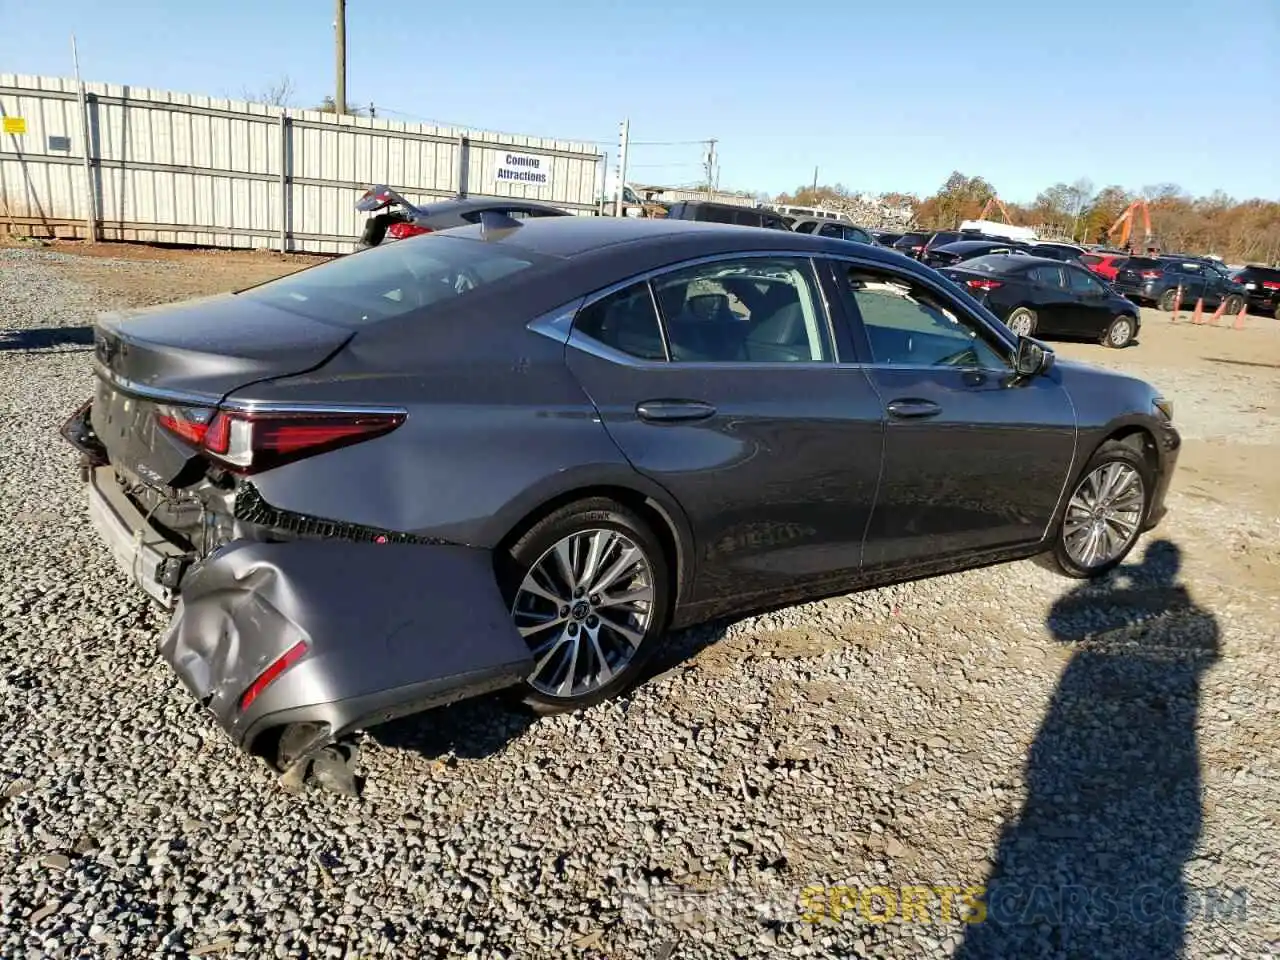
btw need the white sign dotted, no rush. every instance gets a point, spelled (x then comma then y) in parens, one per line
(524, 169)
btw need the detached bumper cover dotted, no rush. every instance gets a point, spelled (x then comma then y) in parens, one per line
(390, 629)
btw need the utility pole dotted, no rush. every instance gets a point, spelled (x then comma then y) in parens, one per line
(624, 136)
(709, 164)
(340, 38)
(815, 181)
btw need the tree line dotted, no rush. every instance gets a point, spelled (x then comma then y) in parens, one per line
(1239, 231)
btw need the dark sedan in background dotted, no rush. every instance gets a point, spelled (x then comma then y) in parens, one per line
(950, 254)
(394, 217)
(517, 454)
(1157, 280)
(1042, 297)
(833, 228)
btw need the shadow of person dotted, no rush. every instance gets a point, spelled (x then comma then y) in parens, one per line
(1092, 866)
(45, 338)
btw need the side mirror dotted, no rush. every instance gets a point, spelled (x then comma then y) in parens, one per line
(1033, 358)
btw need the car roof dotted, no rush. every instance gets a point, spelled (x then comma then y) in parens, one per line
(1012, 260)
(975, 242)
(573, 237)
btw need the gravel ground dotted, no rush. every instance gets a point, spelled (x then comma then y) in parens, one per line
(1110, 748)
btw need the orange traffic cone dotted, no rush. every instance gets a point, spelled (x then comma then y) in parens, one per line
(1198, 316)
(1239, 324)
(1177, 304)
(1217, 314)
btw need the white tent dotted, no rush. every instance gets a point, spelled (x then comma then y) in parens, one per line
(991, 228)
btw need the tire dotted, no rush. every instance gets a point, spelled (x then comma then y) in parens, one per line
(551, 688)
(1068, 560)
(1166, 300)
(1119, 333)
(1024, 318)
(1232, 305)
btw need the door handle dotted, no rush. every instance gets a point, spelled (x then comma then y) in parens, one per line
(910, 409)
(670, 411)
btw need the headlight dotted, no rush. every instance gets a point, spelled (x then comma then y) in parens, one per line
(1164, 407)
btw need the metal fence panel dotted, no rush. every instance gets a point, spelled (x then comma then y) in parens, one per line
(179, 168)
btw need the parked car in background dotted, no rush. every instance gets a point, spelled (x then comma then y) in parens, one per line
(395, 218)
(1104, 265)
(913, 243)
(356, 511)
(1055, 250)
(1158, 279)
(1037, 296)
(886, 238)
(833, 228)
(952, 253)
(1261, 288)
(710, 212)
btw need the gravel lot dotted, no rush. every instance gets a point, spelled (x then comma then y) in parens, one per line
(1102, 746)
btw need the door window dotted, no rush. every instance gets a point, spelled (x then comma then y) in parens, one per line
(1050, 277)
(1083, 284)
(626, 321)
(753, 310)
(909, 324)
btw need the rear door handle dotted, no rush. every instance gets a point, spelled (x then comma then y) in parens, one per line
(668, 411)
(909, 409)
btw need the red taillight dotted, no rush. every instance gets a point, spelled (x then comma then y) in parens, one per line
(984, 285)
(1152, 274)
(249, 441)
(272, 673)
(1271, 285)
(400, 230)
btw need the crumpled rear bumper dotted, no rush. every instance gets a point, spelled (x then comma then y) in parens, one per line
(390, 629)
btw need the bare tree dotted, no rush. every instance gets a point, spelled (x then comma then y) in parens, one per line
(277, 94)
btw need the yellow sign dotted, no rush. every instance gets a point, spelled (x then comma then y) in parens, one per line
(15, 125)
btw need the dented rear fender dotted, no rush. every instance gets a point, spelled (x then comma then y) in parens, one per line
(390, 629)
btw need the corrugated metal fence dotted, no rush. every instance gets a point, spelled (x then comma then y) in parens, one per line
(176, 168)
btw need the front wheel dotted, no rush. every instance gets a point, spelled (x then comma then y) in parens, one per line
(589, 590)
(1105, 512)
(1022, 322)
(1119, 333)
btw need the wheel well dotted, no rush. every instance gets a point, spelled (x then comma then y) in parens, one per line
(1141, 441)
(662, 523)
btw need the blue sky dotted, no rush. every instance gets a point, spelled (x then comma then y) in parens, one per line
(879, 96)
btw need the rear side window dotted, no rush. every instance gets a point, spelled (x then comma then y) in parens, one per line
(393, 279)
(806, 226)
(1050, 277)
(626, 321)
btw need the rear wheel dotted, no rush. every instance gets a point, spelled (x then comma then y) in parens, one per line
(589, 590)
(1167, 300)
(1022, 321)
(1119, 334)
(1233, 305)
(1104, 514)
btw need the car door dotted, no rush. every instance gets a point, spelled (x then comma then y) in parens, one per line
(1091, 303)
(717, 380)
(975, 458)
(1188, 276)
(1053, 300)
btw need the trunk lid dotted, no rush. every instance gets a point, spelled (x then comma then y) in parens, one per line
(189, 356)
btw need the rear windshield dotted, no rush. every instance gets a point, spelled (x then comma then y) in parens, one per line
(392, 279)
(1139, 263)
(944, 237)
(1090, 259)
(993, 263)
(1260, 273)
(913, 238)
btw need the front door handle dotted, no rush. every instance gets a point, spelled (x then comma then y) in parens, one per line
(911, 409)
(669, 411)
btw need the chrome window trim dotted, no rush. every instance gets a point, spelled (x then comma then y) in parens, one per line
(1000, 330)
(588, 344)
(558, 323)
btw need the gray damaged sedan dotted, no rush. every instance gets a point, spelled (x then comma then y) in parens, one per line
(517, 454)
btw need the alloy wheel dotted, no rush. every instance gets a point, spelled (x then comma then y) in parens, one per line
(1121, 331)
(1020, 323)
(1104, 514)
(584, 608)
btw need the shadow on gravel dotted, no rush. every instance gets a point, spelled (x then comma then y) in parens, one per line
(1092, 866)
(474, 729)
(41, 338)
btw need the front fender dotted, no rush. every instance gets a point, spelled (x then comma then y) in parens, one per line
(390, 629)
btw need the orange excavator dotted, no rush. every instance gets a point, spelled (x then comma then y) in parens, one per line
(1124, 223)
(996, 202)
